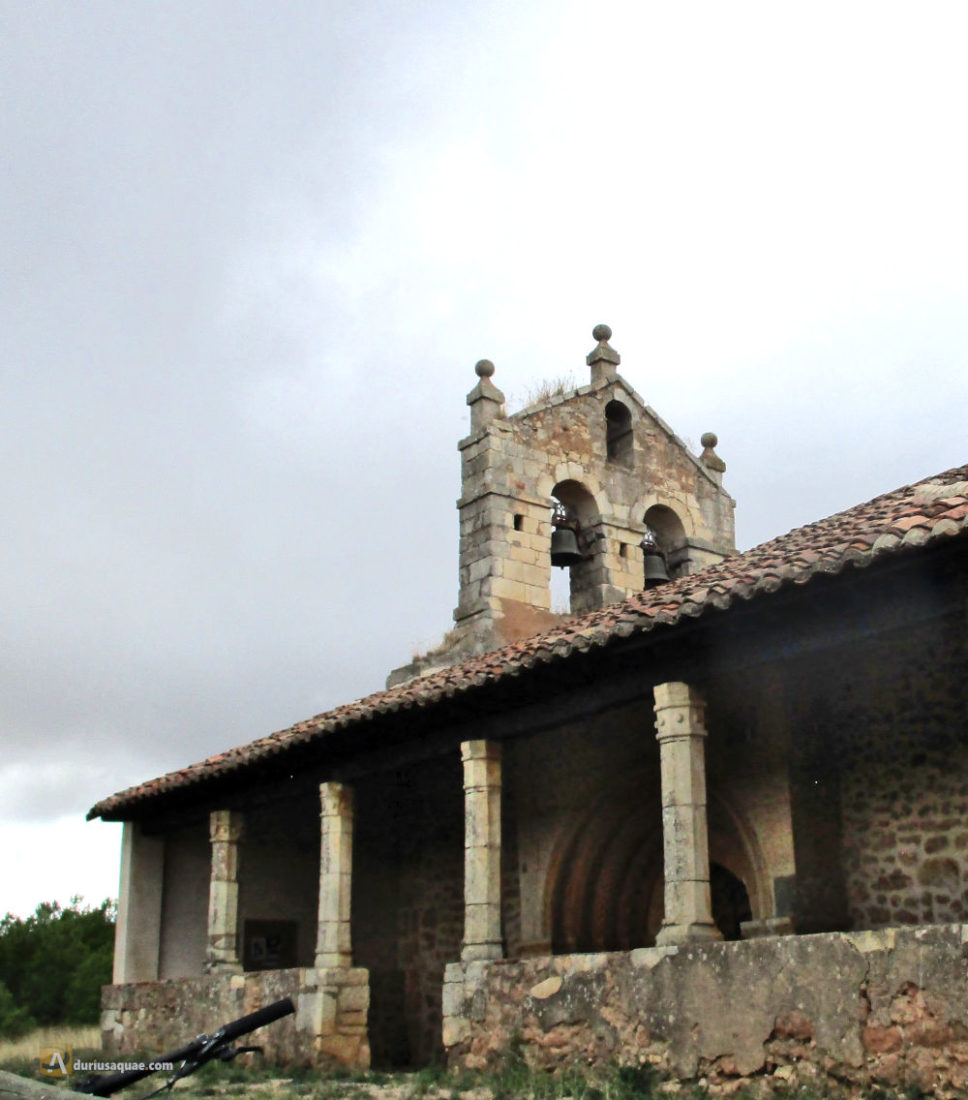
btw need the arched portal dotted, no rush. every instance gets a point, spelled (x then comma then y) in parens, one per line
(606, 880)
(605, 874)
(730, 901)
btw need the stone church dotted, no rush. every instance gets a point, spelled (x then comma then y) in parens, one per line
(724, 779)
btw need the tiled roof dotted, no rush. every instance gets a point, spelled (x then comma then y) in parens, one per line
(892, 524)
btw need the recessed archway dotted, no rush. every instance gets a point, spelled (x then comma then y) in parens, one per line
(606, 878)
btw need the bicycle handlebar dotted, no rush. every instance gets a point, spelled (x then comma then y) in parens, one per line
(201, 1050)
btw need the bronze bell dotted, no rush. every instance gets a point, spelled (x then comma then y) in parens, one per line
(656, 572)
(564, 547)
(655, 569)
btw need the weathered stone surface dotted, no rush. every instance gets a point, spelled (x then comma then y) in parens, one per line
(482, 850)
(333, 931)
(883, 1006)
(15, 1087)
(329, 1024)
(608, 456)
(222, 953)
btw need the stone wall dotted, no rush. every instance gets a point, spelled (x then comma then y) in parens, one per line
(887, 1006)
(880, 735)
(329, 1025)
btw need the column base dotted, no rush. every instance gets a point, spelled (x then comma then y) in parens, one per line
(670, 934)
(333, 960)
(473, 952)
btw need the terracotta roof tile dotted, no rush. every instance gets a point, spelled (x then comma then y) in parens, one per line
(890, 524)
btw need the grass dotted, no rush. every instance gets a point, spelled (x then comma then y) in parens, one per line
(551, 387)
(77, 1038)
(20, 1056)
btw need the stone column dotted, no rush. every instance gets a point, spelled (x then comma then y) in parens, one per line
(333, 939)
(137, 934)
(681, 732)
(225, 830)
(482, 850)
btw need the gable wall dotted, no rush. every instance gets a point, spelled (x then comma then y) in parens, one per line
(509, 469)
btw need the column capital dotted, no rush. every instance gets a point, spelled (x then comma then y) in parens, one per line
(480, 750)
(336, 799)
(225, 826)
(680, 711)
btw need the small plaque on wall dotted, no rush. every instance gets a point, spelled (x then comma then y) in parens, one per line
(269, 944)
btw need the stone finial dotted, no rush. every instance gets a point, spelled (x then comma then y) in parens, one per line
(709, 458)
(485, 399)
(603, 359)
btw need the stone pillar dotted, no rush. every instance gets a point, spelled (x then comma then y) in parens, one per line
(333, 939)
(225, 830)
(137, 934)
(485, 399)
(681, 732)
(482, 850)
(603, 358)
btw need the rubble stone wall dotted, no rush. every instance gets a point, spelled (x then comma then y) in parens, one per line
(887, 1006)
(328, 1027)
(880, 736)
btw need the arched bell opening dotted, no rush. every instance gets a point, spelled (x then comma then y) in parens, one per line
(575, 538)
(670, 537)
(618, 434)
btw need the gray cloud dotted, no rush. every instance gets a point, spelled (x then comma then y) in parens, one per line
(250, 255)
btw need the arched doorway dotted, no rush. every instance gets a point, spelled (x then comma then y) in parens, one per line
(730, 901)
(606, 878)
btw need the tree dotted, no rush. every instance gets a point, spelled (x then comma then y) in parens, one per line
(53, 964)
(14, 1020)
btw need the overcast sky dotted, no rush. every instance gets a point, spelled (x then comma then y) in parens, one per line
(251, 252)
